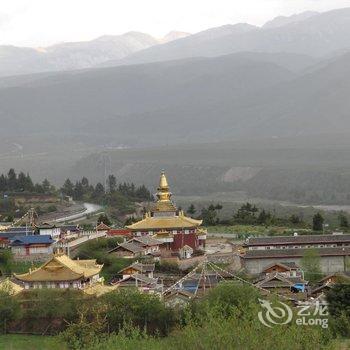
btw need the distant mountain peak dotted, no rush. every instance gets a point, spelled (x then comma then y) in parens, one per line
(281, 21)
(132, 34)
(173, 35)
(227, 29)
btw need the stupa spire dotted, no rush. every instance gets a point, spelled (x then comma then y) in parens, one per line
(163, 193)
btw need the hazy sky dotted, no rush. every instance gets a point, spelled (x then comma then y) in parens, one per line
(44, 22)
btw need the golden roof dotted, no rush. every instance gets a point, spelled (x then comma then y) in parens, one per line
(167, 222)
(10, 287)
(62, 268)
(164, 206)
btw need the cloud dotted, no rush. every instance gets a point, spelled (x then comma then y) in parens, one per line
(4, 19)
(43, 22)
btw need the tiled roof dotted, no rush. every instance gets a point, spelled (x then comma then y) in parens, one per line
(175, 292)
(342, 274)
(304, 239)
(17, 231)
(62, 268)
(10, 235)
(294, 253)
(46, 225)
(33, 239)
(70, 227)
(146, 240)
(10, 287)
(278, 280)
(102, 227)
(143, 268)
(287, 265)
(132, 247)
(139, 278)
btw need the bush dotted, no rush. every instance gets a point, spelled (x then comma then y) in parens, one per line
(9, 310)
(141, 310)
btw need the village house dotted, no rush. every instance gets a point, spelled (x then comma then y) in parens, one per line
(32, 246)
(283, 278)
(177, 298)
(168, 224)
(330, 280)
(137, 247)
(141, 282)
(282, 284)
(260, 252)
(62, 272)
(138, 268)
(102, 227)
(8, 233)
(185, 252)
(49, 229)
(331, 259)
(286, 269)
(70, 229)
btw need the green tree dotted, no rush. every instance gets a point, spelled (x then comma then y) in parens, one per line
(9, 310)
(343, 221)
(78, 191)
(143, 193)
(12, 180)
(191, 210)
(3, 183)
(103, 218)
(22, 182)
(111, 183)
(6, 260)
(317, 222)
(99, 191)
(264, 218)
(246, 214)
(311, 265)
(68, 188)
(142, 310)
(47, 188)
(338, 298)
(209, 216)
(295, 219)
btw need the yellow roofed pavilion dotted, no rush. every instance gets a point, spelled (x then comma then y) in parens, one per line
(60, 272)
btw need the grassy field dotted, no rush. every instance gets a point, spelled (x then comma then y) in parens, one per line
(30, 342)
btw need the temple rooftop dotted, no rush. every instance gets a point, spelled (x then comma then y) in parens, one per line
(61, 268)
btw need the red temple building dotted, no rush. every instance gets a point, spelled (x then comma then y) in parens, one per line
(169, 225)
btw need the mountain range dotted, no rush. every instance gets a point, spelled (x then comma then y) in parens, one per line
(235, 84)
(77, 55)
(309, 33)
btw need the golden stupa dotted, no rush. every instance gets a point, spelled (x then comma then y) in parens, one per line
(164, 215)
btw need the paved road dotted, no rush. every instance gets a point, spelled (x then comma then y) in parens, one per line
(89, 209)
